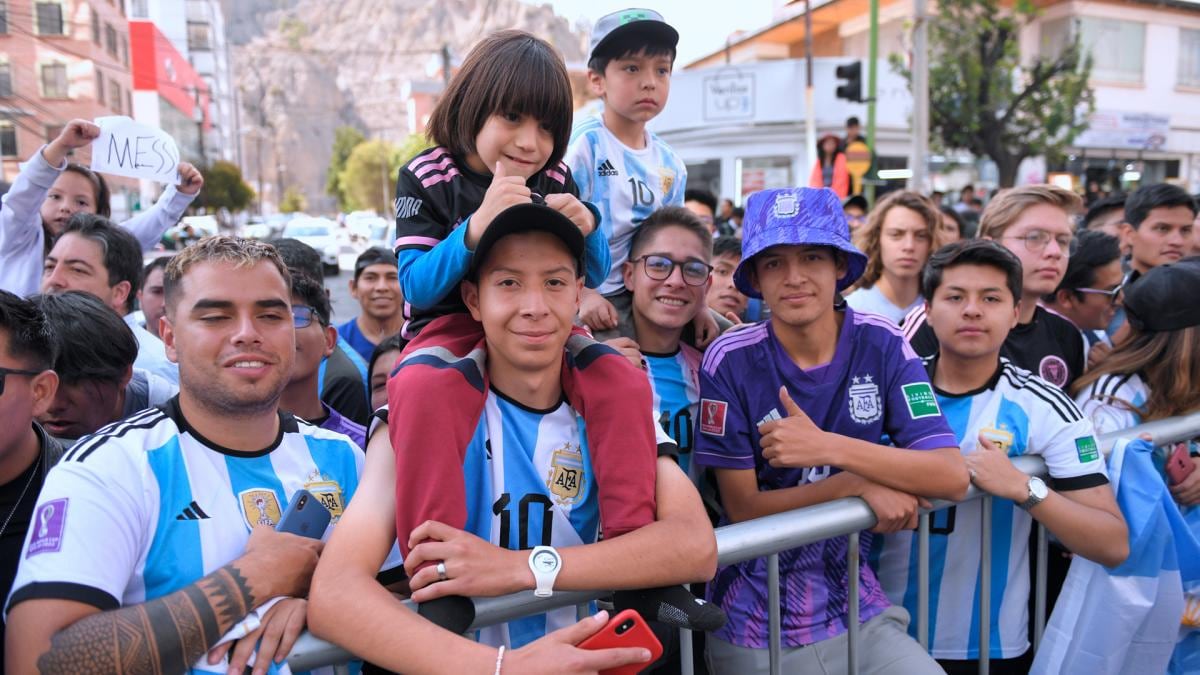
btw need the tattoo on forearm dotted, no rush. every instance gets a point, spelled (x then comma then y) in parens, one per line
(161, 637)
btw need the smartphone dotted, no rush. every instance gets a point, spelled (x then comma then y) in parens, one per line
(305, 516)
(1179, 464)
(627, 629)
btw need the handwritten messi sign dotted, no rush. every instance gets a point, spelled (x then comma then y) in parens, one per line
(128, 148)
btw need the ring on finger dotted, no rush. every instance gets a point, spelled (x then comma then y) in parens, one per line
(441, 571)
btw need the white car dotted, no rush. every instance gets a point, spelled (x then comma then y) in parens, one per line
(319, 233)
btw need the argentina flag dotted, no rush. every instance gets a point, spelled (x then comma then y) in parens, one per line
(1126, 619)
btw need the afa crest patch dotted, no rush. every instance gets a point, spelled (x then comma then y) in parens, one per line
(865, 406)
(566, 474)
(329, 493)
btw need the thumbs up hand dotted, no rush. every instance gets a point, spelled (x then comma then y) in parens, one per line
(505, 191)
(793, 441)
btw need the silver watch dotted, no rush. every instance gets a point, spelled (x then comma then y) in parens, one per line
(1037, 492)
(544, 562)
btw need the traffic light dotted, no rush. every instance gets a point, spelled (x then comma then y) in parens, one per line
(852, 74)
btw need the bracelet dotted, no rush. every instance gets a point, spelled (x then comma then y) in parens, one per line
(499, 659)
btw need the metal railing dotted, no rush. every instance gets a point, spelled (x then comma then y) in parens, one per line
(769, 535)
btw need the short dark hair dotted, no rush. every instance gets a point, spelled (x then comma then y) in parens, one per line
(971, 252)
(103, 196)
(669, 216)
(703, 196)
(852, 121)
(122, 252)
(727, 245)
(509, 71)
(30, 337)
(1148, 197)
(966, 187)
(739, 211)
(1104, 206)
(633, 43)
(1093, 249)
(376, 255)
(92, 342)
(158, 263)
(950, 213)
(311, 293)
(389, 343)
(300, 257)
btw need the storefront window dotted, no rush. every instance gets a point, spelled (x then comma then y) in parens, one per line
(765, 173)
(705, 176)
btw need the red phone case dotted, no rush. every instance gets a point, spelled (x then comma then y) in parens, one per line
(637, 635)
(1179, 464)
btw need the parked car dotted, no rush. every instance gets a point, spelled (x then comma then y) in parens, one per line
(319, 233)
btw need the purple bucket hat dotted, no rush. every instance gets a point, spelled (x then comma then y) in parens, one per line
(796, 217)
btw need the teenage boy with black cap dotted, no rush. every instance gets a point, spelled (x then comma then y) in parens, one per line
(376, 287)
(791, 413)
(619, 166)
(528, 462)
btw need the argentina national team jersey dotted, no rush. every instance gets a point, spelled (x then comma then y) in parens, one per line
(529, 482)
(1023, 415)
(625, 184)
(148, 506)
(1111, 402)
(675, 381)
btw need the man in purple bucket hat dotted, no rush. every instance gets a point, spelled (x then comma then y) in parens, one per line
(791, 413)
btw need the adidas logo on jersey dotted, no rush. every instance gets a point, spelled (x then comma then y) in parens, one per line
(192, 512)
(770, 417)
(606, 168)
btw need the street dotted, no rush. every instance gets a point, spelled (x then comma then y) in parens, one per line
(344, 305)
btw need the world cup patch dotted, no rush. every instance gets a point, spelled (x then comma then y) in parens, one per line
(48, 525)
(712, 416)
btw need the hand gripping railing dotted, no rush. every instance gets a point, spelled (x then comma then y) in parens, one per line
(769, 535)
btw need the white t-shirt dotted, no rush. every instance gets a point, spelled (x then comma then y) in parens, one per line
(873, 301)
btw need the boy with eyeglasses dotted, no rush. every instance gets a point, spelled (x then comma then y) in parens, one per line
(315, 341)
(1034, 222)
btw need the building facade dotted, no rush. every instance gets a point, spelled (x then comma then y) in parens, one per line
(61, 60)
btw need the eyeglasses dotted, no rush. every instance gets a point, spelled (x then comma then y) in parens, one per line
(5, 372)
(1036, 241)
(1112, 295)
(303, 315)
(660, 268)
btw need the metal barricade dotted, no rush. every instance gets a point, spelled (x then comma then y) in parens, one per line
(769, 535)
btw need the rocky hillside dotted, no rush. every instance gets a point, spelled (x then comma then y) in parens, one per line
(315, 65)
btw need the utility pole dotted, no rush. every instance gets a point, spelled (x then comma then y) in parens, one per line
(810, 111)
(445, 66)
(919, 162)
(872, 66)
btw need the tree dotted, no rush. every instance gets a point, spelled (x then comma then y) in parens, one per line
(345, 139)
(369, 177)
(224, 188)
(981, 97)
(293, 201)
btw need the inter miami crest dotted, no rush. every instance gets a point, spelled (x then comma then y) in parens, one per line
(566, 474)
(865, 407)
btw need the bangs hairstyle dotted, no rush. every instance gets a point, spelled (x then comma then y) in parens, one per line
(867, 238)
(31, 339)
(99, 186)
(311, 293)
(984, 252)
(236, 251)
(508, 72)
(93, 343)
(670, 216)
(625, 46)
(1008, 205)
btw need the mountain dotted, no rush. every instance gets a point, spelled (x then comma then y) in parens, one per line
(317, 65)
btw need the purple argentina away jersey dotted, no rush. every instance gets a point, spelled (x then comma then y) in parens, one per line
(875, 385)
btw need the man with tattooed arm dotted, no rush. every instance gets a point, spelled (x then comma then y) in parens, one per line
(154, 537)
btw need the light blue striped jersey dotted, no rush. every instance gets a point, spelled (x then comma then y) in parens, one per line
(529, 482)
(1111, 402)
(147, 506)
(1023, 415)
(675, 381)
(625, 184)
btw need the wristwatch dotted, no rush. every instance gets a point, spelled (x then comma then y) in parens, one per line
(545, 563)
(1037, 492)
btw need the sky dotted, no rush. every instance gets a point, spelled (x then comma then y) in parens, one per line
(701, 31)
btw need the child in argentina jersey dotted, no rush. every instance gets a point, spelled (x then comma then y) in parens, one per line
(1023, 415)
(529, 482)
(625, 184)
(152, 506)
(675, 380)
(874, 385)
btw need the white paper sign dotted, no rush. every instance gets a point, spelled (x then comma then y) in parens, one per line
(128, 148)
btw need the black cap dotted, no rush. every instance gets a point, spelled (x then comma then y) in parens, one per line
(532, 217)
(1164, 298)
(376, 255)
